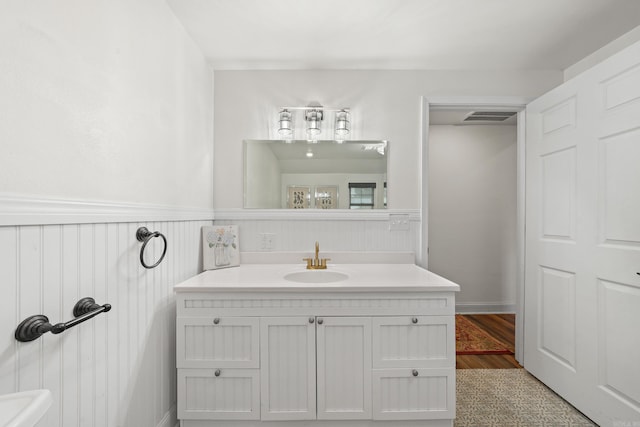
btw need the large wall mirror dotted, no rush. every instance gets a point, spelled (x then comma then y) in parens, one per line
(302, 174)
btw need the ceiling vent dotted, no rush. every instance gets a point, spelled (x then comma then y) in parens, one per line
(489, 116)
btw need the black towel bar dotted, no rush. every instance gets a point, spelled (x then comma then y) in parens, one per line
(34, 327)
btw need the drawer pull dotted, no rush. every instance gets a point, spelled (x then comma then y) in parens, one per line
(414, 320)
(311, 320)
(320, 321)
(216, 321)
(217, 373)
(414, 373)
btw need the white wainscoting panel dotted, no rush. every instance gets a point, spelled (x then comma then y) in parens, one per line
(117, 369)
(333, 234)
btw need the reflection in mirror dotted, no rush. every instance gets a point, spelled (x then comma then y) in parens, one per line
(302, 174)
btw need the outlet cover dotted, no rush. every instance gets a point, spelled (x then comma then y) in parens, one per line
(267, 241)
(398, 222)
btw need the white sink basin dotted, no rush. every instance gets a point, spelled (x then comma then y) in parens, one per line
(316, 276)
(23, 409)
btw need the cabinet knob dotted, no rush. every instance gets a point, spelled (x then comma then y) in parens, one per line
(320, 321)
(217, 372)
(311, 319)
(216, 320)
(414, 373)
(414, 320)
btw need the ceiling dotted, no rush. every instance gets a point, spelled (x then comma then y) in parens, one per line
(403, 34)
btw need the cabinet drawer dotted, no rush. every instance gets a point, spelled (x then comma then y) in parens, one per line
(414, 341)
(224, 342)
(398, 394)
(233, 394)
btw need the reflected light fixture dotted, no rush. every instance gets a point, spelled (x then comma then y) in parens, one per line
(379, 147)
(313, 117)
(285, 127)
(343, 124)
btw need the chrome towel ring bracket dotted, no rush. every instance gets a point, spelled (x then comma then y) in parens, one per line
(144, 235)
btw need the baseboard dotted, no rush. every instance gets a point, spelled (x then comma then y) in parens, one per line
(479, 308)
(170, 419)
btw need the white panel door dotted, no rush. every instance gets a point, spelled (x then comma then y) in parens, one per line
(288, 368)
(344, 368)
(582, 293)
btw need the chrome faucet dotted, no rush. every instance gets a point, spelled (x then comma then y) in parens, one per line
(317, 263)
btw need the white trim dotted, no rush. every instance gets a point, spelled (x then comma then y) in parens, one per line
(457, 102)
(26, 210)
(483, 308)
(423, 245)
(512, 102)
(521, 233)
(315, 214)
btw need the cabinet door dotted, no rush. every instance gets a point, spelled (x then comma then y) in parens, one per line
(414, 394)
(221, 342)
(288, 368)
(414, 341)
(218, 394)
(344, 368)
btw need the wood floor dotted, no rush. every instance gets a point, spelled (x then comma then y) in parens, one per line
(502, 327)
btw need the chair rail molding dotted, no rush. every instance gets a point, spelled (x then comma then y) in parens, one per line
(16, 209)
(315, 214)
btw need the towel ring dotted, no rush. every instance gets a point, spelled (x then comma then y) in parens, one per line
(144, 235)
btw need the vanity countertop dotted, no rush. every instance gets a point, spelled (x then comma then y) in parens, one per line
(361, 278)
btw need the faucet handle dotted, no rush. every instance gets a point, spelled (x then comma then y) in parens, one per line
(309, 262)
(323, 262)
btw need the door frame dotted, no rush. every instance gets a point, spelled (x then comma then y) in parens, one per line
(460, 102)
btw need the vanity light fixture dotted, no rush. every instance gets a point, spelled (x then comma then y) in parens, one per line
(285, 124)
(314, 114)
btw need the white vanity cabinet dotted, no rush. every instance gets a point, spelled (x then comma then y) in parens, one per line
(317, 356)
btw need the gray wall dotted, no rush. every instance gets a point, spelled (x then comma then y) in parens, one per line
(472, 212)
